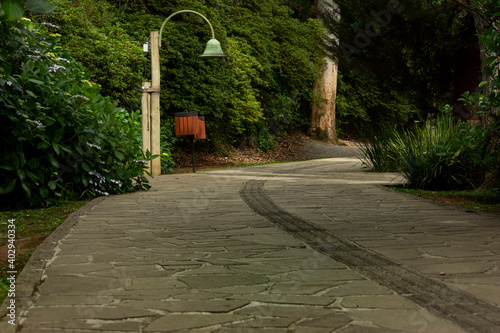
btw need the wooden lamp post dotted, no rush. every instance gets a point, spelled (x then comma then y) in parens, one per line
(151, 92)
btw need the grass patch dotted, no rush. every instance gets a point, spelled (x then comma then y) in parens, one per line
(482, 201)
(32, 227)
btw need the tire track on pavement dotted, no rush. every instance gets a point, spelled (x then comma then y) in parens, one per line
(464, 309)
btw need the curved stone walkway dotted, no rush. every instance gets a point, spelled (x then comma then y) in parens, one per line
(316, 246)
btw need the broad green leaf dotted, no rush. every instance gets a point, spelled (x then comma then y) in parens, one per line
(56, 148)
(43, 145)
(39, 6)
(85, 180)
(21, 174)
(490, 60)
(29, 92)
(32, 176)
(13, 9)
(26, 189)
(79, 149)
(119, 155)
(85, 166)
(66, 149)
(53, 161)
(15, 160)
(52, 185)
(8, 186)
(36, 81)
(22, 160)
(7, 167)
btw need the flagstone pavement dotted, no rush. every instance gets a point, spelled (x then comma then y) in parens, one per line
(314, 246)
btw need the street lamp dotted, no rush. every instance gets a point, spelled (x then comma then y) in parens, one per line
(151, 91)
(213, 48)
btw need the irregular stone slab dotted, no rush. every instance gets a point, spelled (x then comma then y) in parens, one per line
(333, 321)
(280, 310)
(77, 269)
(152, 294)
(266, 268)
(456, 252)
(268, 239)
(222, 280)
(154, 284)
(378, 302)
(209, 306)
(287, 299)
(262, 324)
(322, 275)
(172, 322)
(240, 290)
(304, 288)
(406, 320)
(66, 285)
(60, 314)
(53, 300)
(456, 268)
(491, 293)
(367, 329)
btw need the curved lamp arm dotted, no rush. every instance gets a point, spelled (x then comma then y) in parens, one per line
(184, 11)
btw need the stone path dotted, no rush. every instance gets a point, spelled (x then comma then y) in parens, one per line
(317, 246)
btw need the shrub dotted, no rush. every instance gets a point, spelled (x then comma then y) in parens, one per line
(61, 138)
(110, 53)
(430, 157)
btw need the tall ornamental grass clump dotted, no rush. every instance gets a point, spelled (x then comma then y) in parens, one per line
(60, 138)
(431, 156)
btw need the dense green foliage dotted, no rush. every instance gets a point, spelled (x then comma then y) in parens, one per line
(398, 59)
(263, 88)
(443, 155)
(486, 138)
(60, 139)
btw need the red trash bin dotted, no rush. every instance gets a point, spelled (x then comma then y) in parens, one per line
(186, 123)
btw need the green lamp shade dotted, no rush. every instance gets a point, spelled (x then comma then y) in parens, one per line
(213, 50)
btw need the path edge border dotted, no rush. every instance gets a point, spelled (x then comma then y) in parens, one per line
(30, 277)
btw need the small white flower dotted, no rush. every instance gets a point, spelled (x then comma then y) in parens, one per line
(50, 25)
(35, 122)
(56, 68)
(101, 192)
(91, 145)
(62, 59)
(80, 96)
(117, 182)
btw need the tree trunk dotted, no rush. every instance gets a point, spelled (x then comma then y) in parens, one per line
(325, 91)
